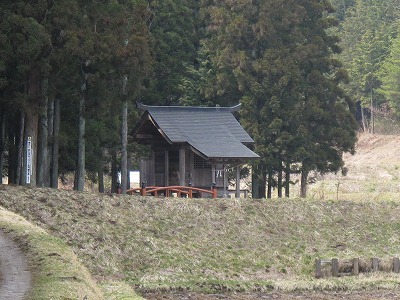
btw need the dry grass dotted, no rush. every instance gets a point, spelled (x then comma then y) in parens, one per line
(231, 245)
(214, 245)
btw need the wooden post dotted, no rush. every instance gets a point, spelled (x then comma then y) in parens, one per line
(335, 267)
(396, 264)
(182, 166)
(356, 268)
(214, 191)
(318, 268)
(375, 264)
(166, 168)
(237, 181)
(143, 188)
(192, 179)
(225, 178)
(213, 173)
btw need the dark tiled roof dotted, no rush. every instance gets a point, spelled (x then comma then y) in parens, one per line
(212, 131)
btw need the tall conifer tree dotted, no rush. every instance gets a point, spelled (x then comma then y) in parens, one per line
(275, 56)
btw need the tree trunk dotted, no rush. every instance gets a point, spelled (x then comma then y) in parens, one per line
(124, 136)
(42, 155)
(2, 142)
(255, 181)
(372, 115)
(363, 120)
(129, 167)
(30, 137)
(269, 188)
(287, 180)
(50, 141)
(19, 158)
(114, 171)
(54, 154)
(29, 170)
(260, 177)
(280, 177)
(303, 184)
(12, 153)
(101, 180)
(80, 169)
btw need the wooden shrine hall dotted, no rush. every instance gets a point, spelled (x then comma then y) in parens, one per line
(192, 147)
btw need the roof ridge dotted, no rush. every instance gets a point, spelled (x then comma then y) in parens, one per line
(144, 107)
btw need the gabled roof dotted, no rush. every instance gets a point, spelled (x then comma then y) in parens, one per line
(212, 132)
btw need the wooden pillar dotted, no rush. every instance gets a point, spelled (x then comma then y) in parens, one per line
(335, 267)
(151, 177)
(182, 166)
(356, 267)
(396, 264)
(225, 180)
(166, 168)
(213, 173)
(237, 181)
(192, 179)
(375, 264)
(318, 268)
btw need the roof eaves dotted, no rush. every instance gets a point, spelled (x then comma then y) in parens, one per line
(159, 128)
(198, 152)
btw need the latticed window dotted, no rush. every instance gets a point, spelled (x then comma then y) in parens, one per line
(200, 163)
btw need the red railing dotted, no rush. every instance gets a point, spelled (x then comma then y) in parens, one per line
(168, 190)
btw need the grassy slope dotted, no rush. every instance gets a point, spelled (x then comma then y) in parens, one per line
(55, 269)
(214, 245)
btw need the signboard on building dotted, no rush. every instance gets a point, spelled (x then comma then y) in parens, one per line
(28, 160)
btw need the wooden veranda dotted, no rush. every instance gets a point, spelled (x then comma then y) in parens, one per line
(168, 191)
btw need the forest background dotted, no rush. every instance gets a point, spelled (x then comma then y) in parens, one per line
(305, 72)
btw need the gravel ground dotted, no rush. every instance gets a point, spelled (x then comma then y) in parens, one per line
(14, 270)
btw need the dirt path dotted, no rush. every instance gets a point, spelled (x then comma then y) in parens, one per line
(15, 278)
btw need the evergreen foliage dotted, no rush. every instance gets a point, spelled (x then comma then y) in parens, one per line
(390, 77)
(280, 59)
(82, 49)
(276, 58)
(175, 30)
(366, 37)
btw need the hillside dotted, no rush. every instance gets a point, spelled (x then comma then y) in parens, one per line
(250, 247)
(373, 172)
(376, 153)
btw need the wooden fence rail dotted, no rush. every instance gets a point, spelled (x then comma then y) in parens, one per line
(167, 191)
(337, 268)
